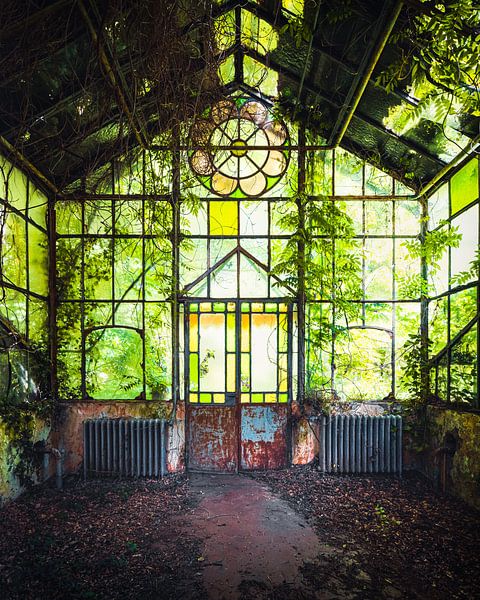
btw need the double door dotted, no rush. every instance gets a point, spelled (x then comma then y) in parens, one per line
(238, 384)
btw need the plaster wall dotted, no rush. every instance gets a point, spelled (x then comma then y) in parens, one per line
(452, 460)
(68, 432)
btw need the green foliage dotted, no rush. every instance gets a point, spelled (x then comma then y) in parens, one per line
(470, 274)
(321, 260)
(438, 51)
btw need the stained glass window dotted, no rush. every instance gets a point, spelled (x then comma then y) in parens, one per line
(239, 148)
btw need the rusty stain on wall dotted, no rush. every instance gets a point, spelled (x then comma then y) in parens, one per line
(212, 438)
(263, 436)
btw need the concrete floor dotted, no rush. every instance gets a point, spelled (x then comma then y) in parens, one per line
(252, 539)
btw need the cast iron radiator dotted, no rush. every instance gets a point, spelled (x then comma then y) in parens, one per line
(124, 447)
(360, 444)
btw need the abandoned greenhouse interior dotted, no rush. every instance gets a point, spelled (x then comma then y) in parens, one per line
(239, 236)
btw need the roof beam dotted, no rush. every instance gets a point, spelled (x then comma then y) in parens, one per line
(361, 80)
(115, 80)
(27, 165)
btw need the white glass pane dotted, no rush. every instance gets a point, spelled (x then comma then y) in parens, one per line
(212, 352)
(264, 352)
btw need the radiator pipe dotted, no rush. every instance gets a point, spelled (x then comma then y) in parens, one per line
(59, 456)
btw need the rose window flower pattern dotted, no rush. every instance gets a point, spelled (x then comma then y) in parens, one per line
(239, 149)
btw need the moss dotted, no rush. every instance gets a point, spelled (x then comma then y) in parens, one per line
(465, 471)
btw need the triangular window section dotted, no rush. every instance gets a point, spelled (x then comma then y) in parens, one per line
(237, 275)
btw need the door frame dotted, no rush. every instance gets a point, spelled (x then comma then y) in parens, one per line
(291, 308)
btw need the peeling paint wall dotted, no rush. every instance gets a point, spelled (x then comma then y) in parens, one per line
(68, 433)
(452, 460)
(10, 486)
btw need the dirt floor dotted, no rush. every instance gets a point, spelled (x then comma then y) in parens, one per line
(284, 535)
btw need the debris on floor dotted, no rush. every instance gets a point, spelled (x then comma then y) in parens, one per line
(292, 534)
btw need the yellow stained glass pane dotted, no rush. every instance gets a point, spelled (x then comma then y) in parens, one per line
(231, 306)
(193, 397)
(226, 70)
(231, 372)
(283, 333)
(193, 333)
(257, 307)
(257, 33)
(231, 332)
(282, 308)
(205, 306)
(223, 217)
(219, 398)
(282, 373)
(245, 334)
(245, 372)
(270, 397)
(245, 398)
(294, 6)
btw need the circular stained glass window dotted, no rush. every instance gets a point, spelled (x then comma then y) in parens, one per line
(239, 148)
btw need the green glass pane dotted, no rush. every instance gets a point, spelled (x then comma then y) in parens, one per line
(218, 307)
(231, 368)
(37, 206)
(257, 398)
(245, 307)
(271, 307)
(205, 398)
(193, 307)
(223, 217)
(245, 372)
(283, 398)
(17, 187)
(38, 260)
(114, 360)
(193, 371)
(14, 251)
(464, 186)
(13, 306)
